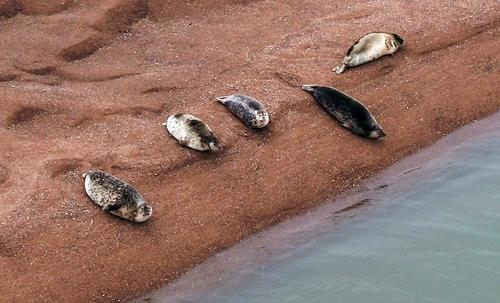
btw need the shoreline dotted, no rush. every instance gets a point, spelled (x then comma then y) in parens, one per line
(268, 245)
(96, 80)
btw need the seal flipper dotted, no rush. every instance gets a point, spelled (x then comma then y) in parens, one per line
(111, 207)
(339, 69)
(347, 125)
(222, 99)
(308, 88)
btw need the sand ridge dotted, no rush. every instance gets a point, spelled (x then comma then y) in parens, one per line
(87, 84)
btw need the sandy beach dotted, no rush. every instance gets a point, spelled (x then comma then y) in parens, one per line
(86, 85)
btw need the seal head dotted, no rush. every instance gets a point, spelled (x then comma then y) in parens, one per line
(261, 119)
(398, 41)
(143, 213)
(377, 133)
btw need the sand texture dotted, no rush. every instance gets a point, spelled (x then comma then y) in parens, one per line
(86, 85)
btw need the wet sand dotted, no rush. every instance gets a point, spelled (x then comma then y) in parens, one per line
(87, 84)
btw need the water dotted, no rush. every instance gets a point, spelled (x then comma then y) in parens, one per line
(437, 242)
(432, 236)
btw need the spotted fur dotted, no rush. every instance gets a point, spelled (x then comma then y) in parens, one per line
(116, 196)
(192, 132)
(250, 111)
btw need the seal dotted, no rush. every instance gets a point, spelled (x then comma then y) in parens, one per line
(116, 196)
(247, 109)
(370, 47)
(192, 132)
(351, 113)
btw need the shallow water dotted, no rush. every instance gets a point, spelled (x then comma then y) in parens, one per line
(437, 242)
(435, 238)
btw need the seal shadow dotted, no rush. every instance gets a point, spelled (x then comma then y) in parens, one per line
(387, 69)
(210, 155)
(189, 158)
(374, 142)
(144, 226)
(202, 155)
(384, 65)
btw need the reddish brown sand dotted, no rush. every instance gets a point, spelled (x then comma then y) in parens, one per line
(86, 84)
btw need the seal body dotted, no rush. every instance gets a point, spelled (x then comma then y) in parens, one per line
(247, 109)
(370, 47)
(116, 196)
(351, 113)
(192, 132)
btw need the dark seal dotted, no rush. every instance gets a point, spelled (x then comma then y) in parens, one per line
(351, 113)
(247, 109)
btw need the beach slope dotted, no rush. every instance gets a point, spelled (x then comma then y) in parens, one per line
(86, 85)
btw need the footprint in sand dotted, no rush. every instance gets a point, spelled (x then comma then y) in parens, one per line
(4, 174)
(24, 115)
(65, 168)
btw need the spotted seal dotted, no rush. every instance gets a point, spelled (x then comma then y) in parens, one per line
(192, 132)
(351, 113)
(370, 47)
(116, 196)
(249, 110)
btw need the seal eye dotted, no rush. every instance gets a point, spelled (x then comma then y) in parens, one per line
(261, 120)
(146, 210)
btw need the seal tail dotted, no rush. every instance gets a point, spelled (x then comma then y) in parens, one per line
(308, 88)
(339, 69)
(221, 99)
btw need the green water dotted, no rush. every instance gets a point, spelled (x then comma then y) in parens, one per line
(435, 238)
(439, 241)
